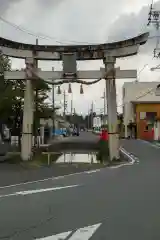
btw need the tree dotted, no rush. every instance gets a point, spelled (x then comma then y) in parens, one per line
(5, 88)
(12, 98)
(41, 108)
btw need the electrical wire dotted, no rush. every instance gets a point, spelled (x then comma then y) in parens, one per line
(140, 96)
(47, 37)
(42, 36)
(140, 71)
(39, 35)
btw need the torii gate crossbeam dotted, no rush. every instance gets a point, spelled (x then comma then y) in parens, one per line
(57, 75)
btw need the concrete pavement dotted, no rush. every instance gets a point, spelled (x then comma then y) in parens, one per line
(113, 204)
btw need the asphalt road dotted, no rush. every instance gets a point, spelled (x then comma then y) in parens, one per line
(110, 204)
(84, 136)
(14, 174)
(85, 141)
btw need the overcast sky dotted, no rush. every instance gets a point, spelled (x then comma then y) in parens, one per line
(82, 21)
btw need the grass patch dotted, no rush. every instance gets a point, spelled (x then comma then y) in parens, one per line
(14, 159)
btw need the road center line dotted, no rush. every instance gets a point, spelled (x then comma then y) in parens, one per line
(23, 193)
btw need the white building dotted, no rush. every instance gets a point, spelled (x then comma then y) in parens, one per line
(138, 94)
(98, 121)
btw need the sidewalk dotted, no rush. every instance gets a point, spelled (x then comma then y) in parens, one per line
(155, 143)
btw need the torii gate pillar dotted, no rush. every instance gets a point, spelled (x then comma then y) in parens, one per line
(26, 142)
(114, 142)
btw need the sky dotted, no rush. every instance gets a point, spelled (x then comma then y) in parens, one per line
(77, 22)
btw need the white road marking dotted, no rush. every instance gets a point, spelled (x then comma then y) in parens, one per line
(85, 233)
(121, 165)
(47, 179)
(128, 155)
(93, 171)
(60, 236)
(23, 193)
(133, 160)
(56, 178)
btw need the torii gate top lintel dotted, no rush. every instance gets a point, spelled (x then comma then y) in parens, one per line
(82, 52)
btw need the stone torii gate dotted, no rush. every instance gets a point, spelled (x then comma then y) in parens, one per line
(69, 55)
(50, 76)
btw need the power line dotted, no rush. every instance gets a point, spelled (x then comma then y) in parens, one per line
(42, 36)
(154, 19)
(140, 71)
(140, 96)
(47, 37)
(38, 35)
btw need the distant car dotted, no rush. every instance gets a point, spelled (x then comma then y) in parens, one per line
(82, 129)
(64, 132)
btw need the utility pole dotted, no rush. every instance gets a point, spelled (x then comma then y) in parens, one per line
(74, 117)
(36, 105)
(154, 19)
(71, 109)
(104, 106)
(104, 96)
(64, 105)
(53, 106)
(92, 115)
(104, 101)
(88, 122)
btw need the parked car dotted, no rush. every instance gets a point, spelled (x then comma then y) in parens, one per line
(64, 132)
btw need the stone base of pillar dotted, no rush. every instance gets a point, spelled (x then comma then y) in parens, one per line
(26, 147)
(114, 145)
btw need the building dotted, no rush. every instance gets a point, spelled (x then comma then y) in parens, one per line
(100, 120)
(141, 106)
